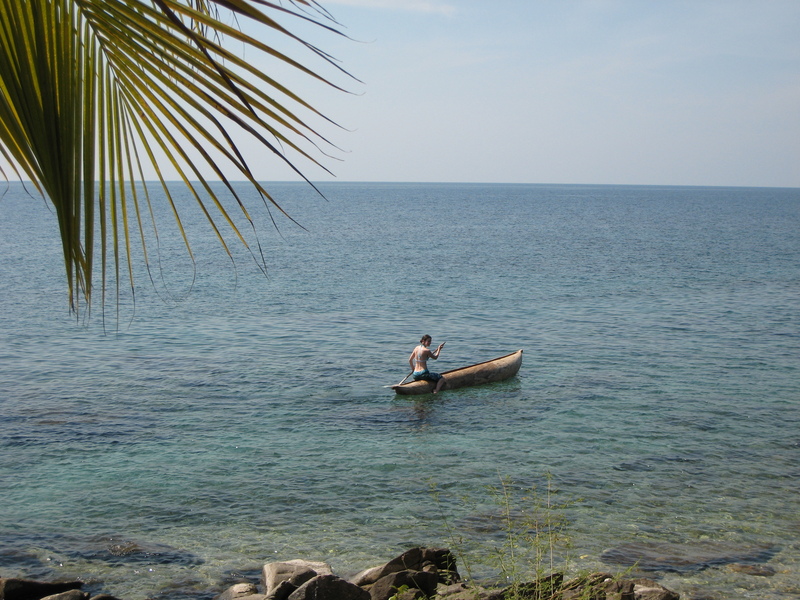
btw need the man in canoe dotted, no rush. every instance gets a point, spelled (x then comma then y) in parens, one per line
(418, 361)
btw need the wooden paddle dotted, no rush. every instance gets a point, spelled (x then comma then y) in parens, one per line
(401, 381)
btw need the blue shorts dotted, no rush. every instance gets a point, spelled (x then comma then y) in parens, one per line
(427, 376)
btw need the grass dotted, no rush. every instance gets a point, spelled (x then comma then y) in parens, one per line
(531, 552)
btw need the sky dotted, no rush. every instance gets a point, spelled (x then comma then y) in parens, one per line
(653, 92)
(696, 92)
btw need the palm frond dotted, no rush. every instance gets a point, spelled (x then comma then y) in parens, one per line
(93, 90)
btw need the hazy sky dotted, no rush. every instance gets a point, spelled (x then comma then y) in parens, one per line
(693, 92)
(564, 91)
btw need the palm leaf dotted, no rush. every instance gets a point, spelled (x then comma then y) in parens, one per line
(92, 90)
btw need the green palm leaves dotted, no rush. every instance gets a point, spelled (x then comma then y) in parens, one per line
(93, 90)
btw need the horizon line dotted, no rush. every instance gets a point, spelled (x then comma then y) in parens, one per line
(485, 183)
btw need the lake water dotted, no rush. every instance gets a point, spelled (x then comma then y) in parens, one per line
(162, 450)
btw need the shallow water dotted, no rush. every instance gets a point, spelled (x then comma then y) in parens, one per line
(196, 439)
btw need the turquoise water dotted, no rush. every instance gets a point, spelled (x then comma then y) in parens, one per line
(246, 420)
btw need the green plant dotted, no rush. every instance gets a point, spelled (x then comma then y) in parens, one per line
(400, 591)
(535, 532)
(532, 552)
(398, 595)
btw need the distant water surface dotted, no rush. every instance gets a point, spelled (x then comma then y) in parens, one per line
(205, 433)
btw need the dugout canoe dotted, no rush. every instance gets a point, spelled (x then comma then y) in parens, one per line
(489, 371)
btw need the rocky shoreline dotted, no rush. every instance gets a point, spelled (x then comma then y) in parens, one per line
(418, 573)
(421, 572)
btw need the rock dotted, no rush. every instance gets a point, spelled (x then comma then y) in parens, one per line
(368, 576)
(755, 570)
(296, 572)
(682, 558)
(26, 589)
(617, 590)
(461, 591)
(68, 595)
(329, 587)
(647, 589)
(390, 584)
(544, 587)
(28, 561)
(237, 591)
(283, 590)
(440, 560)
(119, 551)
(451, 589)
(597, 586)
(471, 594)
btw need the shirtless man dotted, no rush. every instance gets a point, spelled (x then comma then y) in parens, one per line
(418, 361)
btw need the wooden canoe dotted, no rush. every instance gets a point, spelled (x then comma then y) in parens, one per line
(489, 371)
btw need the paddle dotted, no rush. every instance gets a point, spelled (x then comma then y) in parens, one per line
(401, 381)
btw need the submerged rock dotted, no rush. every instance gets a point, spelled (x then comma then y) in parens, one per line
(682, 558)
(122, 551)
(755, 570)
(17, 558)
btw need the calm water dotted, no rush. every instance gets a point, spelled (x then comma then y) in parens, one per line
(246, 421)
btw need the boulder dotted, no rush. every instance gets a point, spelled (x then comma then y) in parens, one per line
(647, 589)
(439, 560)
(237, 591)
(368, 576)
(597, 586)
(544, 587)
(463, 593)
(296, 572)
(452, 589)
(410, 594)
(329, 587)
(283, 590)
(620, 590)
(26, 589)
(387, 586)
(68, 595)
